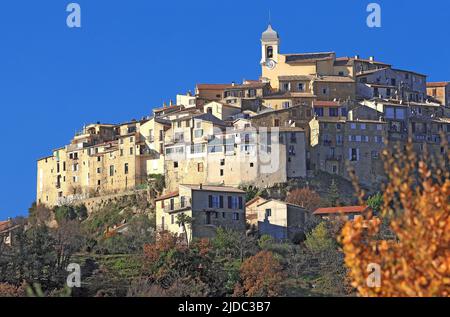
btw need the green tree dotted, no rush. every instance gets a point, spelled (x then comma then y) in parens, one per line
(375, 202)
(319, 239)
(185, 221)
(333, 193)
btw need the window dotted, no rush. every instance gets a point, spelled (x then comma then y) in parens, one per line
(318, 112)
(286, 86)
(200, 167)
(301, 87)
(221, 172)
(99, 170)
(333, 112)
(400, 114)
(269, 52)
(224, 215)
(178, 124)
(213, 201)
(362, 126)
(175, 164)
(233, 202)
(374, 154)
(325, 91)
(276, 122)
(131, 151)
(393, 82)
(390, 113)
(252, 164)
(291, 150)
(353, 126)
(121, 152)
(338, 126)
(293, 138)
(235, 216)
(268, 213)
(64, 166)
(341, 73)
(354, 154)
(220, 201)
(379, 127)
(131, 139)
(98, 182)
(198, 133)
(222, 162)
(286, 104)
(99, 158)
(126, 168)
(241, 202)
(172, 219)
(111, 170)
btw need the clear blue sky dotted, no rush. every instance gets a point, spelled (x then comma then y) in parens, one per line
(130, 56)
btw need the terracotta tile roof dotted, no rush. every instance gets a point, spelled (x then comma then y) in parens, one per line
(168, 195)
(212, 188)
(438, 84)
(171, 108)
(319, 103)
(213, 86)
(308, 57)
(340, 210)
(251, 201)
(4, 225)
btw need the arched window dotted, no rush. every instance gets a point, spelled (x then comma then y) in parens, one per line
(269, 52)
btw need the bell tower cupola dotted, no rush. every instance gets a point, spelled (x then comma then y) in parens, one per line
(270, 43)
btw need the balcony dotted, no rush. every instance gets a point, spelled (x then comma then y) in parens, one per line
(335, 158)
(177, 207)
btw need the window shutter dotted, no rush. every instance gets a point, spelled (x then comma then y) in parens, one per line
(350, 154)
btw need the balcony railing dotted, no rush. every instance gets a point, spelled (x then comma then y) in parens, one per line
(177, 207)
(334, 157)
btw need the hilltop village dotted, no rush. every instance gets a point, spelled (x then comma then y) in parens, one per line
(308, 113)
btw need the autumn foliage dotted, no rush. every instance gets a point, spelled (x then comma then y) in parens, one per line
(261, 275)
(416, 203)
(304, 197)
(8, 290)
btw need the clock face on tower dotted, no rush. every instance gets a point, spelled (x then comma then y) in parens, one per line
(270, 64)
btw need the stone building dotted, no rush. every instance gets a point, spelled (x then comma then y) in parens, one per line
(278, 219)
(206, 151)
(210, 207)
(440, 91)
(338, 144)
(101, 159)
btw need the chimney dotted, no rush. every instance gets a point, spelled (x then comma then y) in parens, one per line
(233, 83)
(372, 58)
(170, 103)
(356, 56)
(164, 105)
